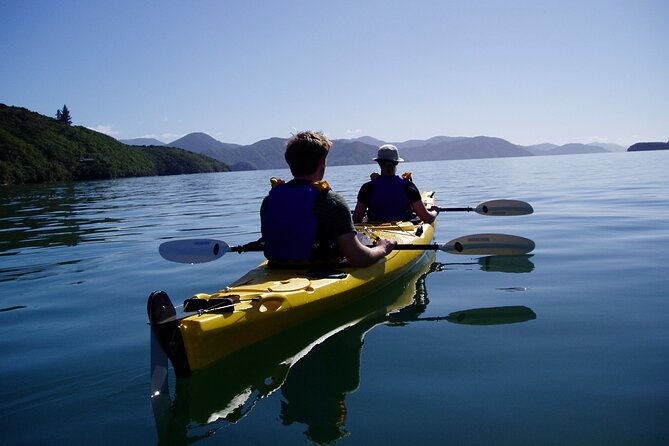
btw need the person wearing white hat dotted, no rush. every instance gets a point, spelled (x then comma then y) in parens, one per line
(389, 197)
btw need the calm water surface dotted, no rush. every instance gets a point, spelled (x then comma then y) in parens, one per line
(579, 355)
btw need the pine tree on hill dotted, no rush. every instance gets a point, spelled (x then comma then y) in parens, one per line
(64, 115)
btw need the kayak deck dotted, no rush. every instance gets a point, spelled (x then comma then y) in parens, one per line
(266, 301)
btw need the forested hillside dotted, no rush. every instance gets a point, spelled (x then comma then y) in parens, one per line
(35, 148)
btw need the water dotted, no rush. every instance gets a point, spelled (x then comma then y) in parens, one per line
(583, 358)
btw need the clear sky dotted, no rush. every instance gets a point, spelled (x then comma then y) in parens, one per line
(528, 71)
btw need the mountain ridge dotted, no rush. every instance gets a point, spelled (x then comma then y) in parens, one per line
(268, 153)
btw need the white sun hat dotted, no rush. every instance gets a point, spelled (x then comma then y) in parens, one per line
(388, 152)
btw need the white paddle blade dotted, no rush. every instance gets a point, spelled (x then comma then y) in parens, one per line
(193, 250)
(504, 207)
(489, 244)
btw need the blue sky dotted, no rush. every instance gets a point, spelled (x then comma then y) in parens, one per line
(527, 71)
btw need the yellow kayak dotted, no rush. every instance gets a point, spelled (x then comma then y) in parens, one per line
(230, 388)
(267, 301)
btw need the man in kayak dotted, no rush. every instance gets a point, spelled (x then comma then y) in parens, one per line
(303, 220)
(389, 197)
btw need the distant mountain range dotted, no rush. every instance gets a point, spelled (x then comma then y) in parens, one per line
(268, 153)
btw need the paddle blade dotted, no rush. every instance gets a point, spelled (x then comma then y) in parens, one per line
(193, 250)
(489, 244)
(504, 207)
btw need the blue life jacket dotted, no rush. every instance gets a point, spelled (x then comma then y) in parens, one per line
(288, 224)
(389, 200)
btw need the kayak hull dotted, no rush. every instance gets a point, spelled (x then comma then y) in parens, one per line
(267, 301)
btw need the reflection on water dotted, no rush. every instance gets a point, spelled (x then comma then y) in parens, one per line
(15, 307)
(315, 390)
(56, 215)
(500, 264)
(314, 366)
(40, 217)
(595, 359)
(492, 316)
(77, 222)
(505, 264)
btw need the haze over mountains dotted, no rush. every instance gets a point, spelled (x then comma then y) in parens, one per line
(268, 153)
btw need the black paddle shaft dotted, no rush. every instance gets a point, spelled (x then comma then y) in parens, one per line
(409, 247)
(467, 209)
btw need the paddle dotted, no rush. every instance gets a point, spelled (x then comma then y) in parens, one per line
(495, 207)
(206, 250)
(193, 250)
(489, 244)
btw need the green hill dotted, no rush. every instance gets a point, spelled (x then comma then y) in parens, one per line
(36, 149)
(642, 146)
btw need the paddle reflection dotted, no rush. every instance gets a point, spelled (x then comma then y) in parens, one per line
(314, 366)
(501, 264)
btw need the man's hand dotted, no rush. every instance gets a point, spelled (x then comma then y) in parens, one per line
(387, 245)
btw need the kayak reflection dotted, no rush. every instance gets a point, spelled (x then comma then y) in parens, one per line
(314, 366)
(314, 391)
